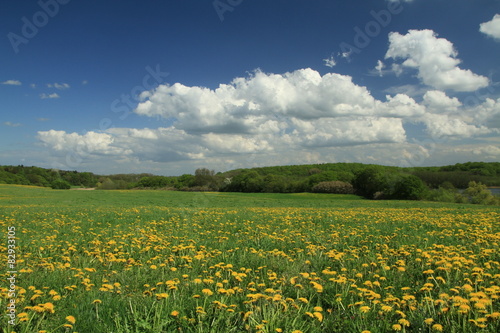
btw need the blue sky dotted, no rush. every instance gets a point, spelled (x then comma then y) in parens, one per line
(170, 86)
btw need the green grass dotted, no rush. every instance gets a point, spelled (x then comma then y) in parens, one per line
(161, 261)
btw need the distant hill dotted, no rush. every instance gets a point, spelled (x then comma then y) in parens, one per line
(292, 178)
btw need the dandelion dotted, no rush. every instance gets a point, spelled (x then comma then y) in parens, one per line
(437, 327)
(364, 309)
(174, 313)
(397, 327)
(404, 322)
(318, 316)
(48, 307)
(386, 308)
(161, 296)
(207, 292)
(71, 319)
(429, 321)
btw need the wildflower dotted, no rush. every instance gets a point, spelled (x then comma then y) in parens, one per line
(317, 286)
(364, 309)
(386, 308)
(48, 307)
(246, 315)
(71, 319)
(161, 296)
(429, 321)
(437, 327)
(396, 327)
(23, 316)
(174, 313)
(319, 316)
(96, 301)
(404, 322)
(207, 292)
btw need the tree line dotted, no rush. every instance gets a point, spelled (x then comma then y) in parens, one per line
(446, 183)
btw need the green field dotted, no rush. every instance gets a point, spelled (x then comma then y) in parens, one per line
(159, 261)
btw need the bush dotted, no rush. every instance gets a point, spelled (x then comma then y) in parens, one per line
(335, 187)
(409, 188)
(478, 193)
(60, 184)
(370, 181)
(442, 194)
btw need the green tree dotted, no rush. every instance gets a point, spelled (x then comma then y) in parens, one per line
(478, 193)
(369, 182)
(409, 188)
(60, 184)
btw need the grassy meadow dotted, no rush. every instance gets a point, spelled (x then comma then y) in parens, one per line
(158, 261)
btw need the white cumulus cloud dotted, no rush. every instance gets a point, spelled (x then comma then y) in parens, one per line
(60, 86)
(12, 82)
(49, 96)
(438, 102)
(435, 59)
(491, 28)
(88, 143)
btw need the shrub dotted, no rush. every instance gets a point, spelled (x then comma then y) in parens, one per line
(409, 188)
(478, 193)
(336, 187)
(370, 181)
(60, 184)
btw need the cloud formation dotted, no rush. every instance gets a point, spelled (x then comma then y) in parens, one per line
(11, 124)
(12, 82)
(435, 59)
(270, 116)
(49, 96)
(491, 28)
(60, 86)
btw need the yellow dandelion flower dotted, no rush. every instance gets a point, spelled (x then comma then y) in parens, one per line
(386, 308)
(429, 321)
(318, 316)
(397, 327)
(246, 315)
(494, 315)
(48, 307)
(71, 319)
(68, 326)
(174, 313)
(364, 309)
(96, 301)
(318, 308)
(404, 322)
(303, 300)
(317, 286)
(207, 292)
(437, 327)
